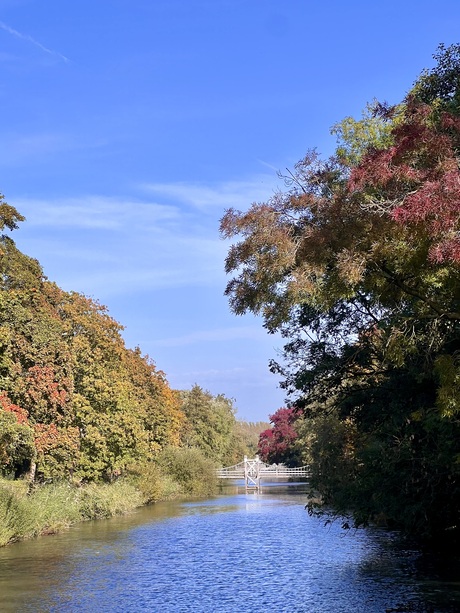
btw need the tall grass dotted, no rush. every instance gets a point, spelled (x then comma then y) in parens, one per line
(96, 501)
(53, 507)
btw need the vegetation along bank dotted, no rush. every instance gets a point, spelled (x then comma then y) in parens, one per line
(88, 427)
(357, 265)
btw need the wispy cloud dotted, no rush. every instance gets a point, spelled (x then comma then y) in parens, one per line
(31, 40)
(237, 194)
(250, 389)
(89, 243)
(268, 165)
(19, 148)
(169, 239)
(97, 212)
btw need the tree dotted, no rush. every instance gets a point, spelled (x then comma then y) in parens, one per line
(277, 444)
(9, 216)
(210, 425)
(17, 449)
(248, 434)
(357, 264)
(93, 406)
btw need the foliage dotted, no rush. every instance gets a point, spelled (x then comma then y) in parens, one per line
(93, 405)
(277, 444)
(441, 85)
(248, 433)
(357, 264)
(16, 436)
(355, 137)
(9, 216)
(195, 474)
(210, 425)
(153, 482)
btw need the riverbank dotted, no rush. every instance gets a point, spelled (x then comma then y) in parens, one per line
(50, 508)
(27, 512)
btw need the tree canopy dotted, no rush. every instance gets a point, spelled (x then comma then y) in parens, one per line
(357, 264)
(75, 402)
(93, 405)
(277, 444)
(210, 425)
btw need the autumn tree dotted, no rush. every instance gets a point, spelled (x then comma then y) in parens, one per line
(93, 406)
(17, 449)
(277, 444)
(123, 407)
(357, 264)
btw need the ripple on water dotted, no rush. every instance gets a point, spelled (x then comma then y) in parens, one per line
(241, 553)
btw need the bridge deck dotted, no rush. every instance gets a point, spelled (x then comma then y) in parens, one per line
(255, 470)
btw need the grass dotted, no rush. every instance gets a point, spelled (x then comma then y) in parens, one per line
(51, 508)
(54, 507)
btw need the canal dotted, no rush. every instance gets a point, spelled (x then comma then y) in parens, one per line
(237, 552)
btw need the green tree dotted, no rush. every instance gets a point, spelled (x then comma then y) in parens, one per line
(17, 449)
(248, 433)
(210, 425)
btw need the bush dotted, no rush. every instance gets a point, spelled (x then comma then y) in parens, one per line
(195, 474)
(153, 483)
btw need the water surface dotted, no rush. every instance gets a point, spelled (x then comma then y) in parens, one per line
(244, 553)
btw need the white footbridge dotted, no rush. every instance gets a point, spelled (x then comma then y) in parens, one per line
(254, 470)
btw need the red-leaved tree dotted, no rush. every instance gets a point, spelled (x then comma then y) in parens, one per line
(416, 180)
(276, 444)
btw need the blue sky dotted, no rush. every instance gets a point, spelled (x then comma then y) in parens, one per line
(129, 126)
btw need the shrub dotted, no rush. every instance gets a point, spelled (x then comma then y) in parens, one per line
(195, 474)
(153, 483)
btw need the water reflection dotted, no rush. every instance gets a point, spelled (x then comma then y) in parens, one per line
(240, 553)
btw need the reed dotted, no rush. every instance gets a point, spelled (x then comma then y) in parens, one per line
(97, 501)
(46, 509)
(54, 507)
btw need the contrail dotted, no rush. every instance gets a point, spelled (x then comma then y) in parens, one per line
(29, 39)
(268, 165)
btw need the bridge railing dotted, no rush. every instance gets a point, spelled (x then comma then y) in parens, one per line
(224, 473)
(253, 470)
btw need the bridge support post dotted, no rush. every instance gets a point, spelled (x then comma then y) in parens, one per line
(252, 473)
